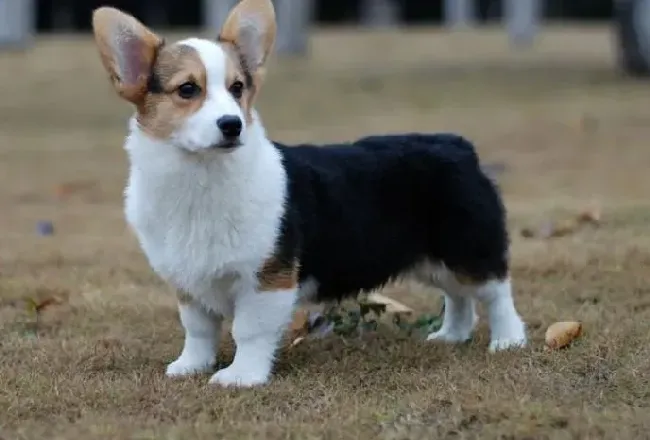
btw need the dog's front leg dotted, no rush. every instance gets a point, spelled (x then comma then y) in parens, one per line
(202, 333)
(261, 317)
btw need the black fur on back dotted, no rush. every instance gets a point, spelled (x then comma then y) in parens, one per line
(361, 214)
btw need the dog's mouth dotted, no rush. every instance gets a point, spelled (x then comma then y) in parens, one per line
(228, 144)
(225, 146)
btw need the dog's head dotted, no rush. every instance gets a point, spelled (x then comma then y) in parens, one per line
(195, 94)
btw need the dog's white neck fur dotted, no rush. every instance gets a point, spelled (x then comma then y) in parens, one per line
(205, 218)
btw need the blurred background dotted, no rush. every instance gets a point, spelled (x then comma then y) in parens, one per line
(552, 89)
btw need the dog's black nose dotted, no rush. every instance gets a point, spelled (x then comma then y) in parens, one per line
(229, 125)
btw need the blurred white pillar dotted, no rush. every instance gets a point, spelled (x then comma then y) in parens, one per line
(522, 20)
(294, 19)
(459, 13)
(379, 13)
(16, 23)
(215, 13)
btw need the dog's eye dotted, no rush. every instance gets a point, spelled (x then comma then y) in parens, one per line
(236, 89)
(188, 90)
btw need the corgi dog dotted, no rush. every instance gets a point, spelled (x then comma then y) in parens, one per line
(247, 229)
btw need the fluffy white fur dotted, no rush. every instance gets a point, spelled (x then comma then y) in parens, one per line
(206, 222)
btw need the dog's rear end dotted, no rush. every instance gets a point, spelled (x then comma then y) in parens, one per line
(386, 207)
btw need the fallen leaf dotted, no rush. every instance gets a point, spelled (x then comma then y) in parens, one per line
(392, 306)
(66, 189)
(42, 305)
(561, 334)
(561, 228)
(300, 323)
(590, 215)
(297, 341)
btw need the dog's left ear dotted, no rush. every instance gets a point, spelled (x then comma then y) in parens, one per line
(251, 28)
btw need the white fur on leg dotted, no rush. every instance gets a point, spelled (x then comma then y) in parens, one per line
(458, 321)
(260, 321)
(507, 330)
(202, 332)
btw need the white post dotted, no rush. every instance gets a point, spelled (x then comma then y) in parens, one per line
(379, 13)
(294, 19)
(215, 13)
(522, 20)
(16, 23)
(459, 13)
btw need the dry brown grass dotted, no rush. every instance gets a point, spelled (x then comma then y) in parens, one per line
(569, 128)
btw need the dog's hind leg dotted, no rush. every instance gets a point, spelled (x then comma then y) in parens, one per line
(458, 321)
(459, 316)
(507, 329)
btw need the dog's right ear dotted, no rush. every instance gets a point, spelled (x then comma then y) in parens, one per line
(251, 27)
(127, 49)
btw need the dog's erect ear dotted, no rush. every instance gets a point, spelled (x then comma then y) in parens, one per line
(251, 28)
(127, 49)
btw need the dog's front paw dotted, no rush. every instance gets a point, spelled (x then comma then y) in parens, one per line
(184, 366)
(507, 344)
(450, 337)
(239, 377)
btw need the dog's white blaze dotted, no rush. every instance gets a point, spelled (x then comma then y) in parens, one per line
(206, 223)
(200, 130)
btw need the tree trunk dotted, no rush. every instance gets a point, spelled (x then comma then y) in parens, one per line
(632, 23)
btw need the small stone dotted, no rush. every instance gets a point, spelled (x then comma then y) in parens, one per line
(45, 228)
(494, 170)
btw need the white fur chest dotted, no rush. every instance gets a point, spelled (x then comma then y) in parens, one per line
(205, 222)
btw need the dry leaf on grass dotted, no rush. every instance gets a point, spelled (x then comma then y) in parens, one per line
(564, 227)
(392, 306)
(66, 189)
(300, 323)
(42, 305)
(561, 334)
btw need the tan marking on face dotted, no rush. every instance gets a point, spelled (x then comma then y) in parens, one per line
(164, 111)
(235, 72)
(183, 297)
(277, 275)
